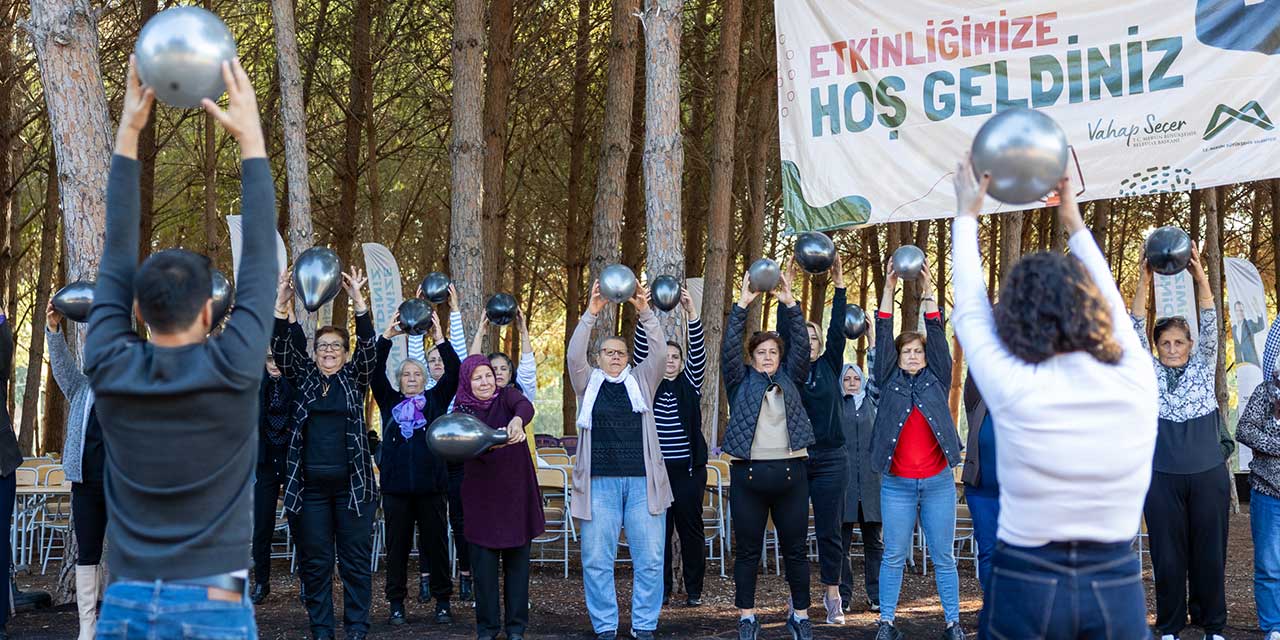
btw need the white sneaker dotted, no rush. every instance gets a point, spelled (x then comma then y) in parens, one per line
(1274, 635)
(1168, 637)
(835, 610)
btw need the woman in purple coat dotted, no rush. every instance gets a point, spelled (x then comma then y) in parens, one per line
(500, 497)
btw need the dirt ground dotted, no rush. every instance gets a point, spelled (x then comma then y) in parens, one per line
(558, 609)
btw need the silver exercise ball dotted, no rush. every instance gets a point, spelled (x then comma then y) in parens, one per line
(180, 54)
(1025, 152)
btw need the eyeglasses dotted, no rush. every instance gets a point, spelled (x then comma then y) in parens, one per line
(613, 353)
(328, 346)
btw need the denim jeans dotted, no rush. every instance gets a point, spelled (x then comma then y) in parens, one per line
(1264, 518)
(1066, 591)
(935, 500)
(619, 503)
(985, 511)
(144, 610)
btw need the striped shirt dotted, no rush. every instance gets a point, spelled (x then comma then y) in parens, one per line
(457, 338)
(666, 409)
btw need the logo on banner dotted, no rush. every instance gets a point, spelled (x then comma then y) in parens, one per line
(1224, 116)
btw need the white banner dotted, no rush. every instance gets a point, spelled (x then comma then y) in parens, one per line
(1247, 311)
(384, 299)
(1176, 296)
(878, 101)
(237, 241)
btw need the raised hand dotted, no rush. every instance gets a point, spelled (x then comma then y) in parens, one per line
(284, 292)
(241, 119)
(785, 294)
(453, 299)
(437, 333)
(354, 281)
(138, 101)
(746, 295)
(970, 192)
(393, 329)
(837, 271)
(597, 300)
(640, 300)
(686, 301)
(52, 318)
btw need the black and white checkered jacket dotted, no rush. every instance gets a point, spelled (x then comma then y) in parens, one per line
(289, 348)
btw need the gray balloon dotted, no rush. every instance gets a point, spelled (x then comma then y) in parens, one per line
(763, 275)
(1025, 152)
(180, 54)
(223, 296)
(501, 309)
(317, 277)
(617, 283)
(665, 293)
(855, 322)
(462, 436)
(815, 251)
(908, 261)
(415, 317)
(1168, 250)
(75, 300)
(436, 287)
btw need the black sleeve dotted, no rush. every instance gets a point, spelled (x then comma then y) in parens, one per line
(937, 352)
(383, 393)
(447, 385)
(834, 354)
(796, 356)
(886, 350)
(732, 363)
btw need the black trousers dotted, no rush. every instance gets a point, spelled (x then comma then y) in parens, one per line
(828, 477)
(764, 489)
(460, 546)
(1187, 522)
(269, 477)
(872, 554)
(684, 516)
(324, 523)
(89, 517)
(8, 495)
(515, 590)
(428, 512)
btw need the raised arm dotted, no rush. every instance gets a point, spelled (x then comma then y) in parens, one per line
(527, 368)
(797, 353)
(63, 365)
(457, 333)
(579, 343)
(695, 365)
(289, 350)
(733, 367)
(886, 350)
(639, 345)
(444, 391)
(383, 393)
(1207, 345)
(834, 354)
(937, 353)
(650, 370)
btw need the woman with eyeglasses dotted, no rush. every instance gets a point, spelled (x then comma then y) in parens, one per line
(330, 484)
(523, 378)
(767, 437)
(913, 448)
(620, 480)
(1190, 493)
(415, 482)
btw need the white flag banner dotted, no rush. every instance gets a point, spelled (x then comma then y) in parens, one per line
(1247, 311)
(236, 233)
(1176, 296)
(385, 296)
(878, 101)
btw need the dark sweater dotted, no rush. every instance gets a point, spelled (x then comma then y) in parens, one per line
(617, 448)
(409, 466)
(821, 390)
(10, 455)
(181, 423)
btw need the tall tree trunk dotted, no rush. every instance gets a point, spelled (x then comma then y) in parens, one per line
(348, 170)
(8, 129)
(624, 32)
(209, 170)
(1102, 223)
(1255, 219)
(1210, 199)
(52, 436)
(1010, 241)
(147, 160)
(65, 37)
(940, 262)
(694, 188)
(499, 72)
(663, 142)
(764, 120)
(633, 222)
(300, 234)
(1197, 202)
(466, 259)
(719, 219)
(371, 135)
(1275, 233)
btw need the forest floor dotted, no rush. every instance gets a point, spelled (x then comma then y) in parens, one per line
(558, 610)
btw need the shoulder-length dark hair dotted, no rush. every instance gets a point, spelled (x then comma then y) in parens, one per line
(1049, 305)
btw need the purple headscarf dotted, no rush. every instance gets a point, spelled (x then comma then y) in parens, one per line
(465, 400)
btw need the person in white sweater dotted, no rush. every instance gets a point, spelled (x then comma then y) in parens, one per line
(1073, 398)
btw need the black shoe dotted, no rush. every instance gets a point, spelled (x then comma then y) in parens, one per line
(872, 605)
(356, 635)
(464, 588)
(323, 636)
(953, 632)
(748, 629)
(886, 631)
(642, 635)
(608, 635)
(800, 628)
(442, 613)
(259, 593)
(693, 601)
(397, 613)
(424, 590)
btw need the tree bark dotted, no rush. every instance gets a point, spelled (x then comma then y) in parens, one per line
(8, 129)
(371, 135)
(575, 254)
(633, 222)
(52, 434)
(1212, 253)
(1010, 241)
(209, 169)
(694, 187)
(300, 234)
(348, 169)
(64, 34)
(720, 219)
(663, 142)
(499, 72)
(764, 121)
(1255, 218)
(466, 258)
(147, 160)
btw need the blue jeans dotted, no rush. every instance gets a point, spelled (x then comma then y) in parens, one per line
(618, 503)
(985, 511)
(144, 610)
(935, 501)
(1066, 591)
(1264, 519)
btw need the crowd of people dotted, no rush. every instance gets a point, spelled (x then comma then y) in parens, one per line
(1077, 432)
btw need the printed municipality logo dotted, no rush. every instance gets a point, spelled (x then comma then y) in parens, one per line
(1224, 116)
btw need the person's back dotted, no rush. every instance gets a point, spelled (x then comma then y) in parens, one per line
(179, 412)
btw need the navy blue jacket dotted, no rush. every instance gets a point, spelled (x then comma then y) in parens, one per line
(408, 466)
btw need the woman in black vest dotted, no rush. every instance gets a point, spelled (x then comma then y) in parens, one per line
(415, 482)
(678, 413)
(330, 486)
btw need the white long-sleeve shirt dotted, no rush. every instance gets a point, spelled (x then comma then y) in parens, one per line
(1076, 435)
